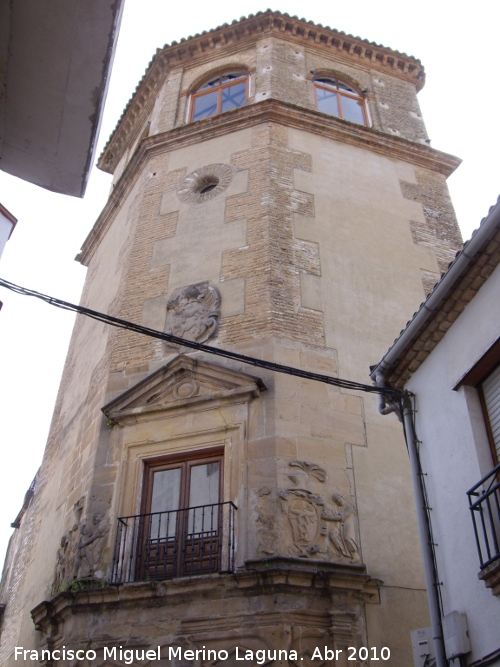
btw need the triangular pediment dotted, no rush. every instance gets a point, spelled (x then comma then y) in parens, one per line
(183, 382)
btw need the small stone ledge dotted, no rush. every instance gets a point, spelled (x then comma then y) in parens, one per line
(263, 576)
(149, 593)
(290, 572)
(491, 577)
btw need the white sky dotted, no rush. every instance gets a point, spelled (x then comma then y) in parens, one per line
(458, 46)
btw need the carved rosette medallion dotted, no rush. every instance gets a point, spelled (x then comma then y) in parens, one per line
(205, 183)
(193, 312)
(186, 389)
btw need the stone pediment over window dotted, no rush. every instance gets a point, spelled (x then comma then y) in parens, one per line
(183, 383)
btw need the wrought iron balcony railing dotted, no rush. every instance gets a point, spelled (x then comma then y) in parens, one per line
(179, 543)
(484, 503)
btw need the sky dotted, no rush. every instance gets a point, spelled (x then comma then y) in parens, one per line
(458, 46)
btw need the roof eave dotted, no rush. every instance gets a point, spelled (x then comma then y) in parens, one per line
(252, 27)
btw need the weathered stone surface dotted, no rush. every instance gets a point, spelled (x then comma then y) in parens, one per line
(317, 236)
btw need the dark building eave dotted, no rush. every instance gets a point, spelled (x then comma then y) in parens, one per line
(56, 58)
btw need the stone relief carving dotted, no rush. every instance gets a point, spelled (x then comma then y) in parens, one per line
(80, 550)
(193, 312)
(61, 563)
(266, 522)
(90, 547)
(314, 527)
(186, 388)
(343, 532)
(304, 471)
(303, 511)
(67, 552)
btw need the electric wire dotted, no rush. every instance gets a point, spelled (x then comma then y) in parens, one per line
(175, 340)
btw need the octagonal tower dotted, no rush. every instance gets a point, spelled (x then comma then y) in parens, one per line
(274, 194)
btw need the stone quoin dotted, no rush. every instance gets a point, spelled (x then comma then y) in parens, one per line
(275, 194)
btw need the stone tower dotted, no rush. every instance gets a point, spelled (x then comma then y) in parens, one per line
(274, 194)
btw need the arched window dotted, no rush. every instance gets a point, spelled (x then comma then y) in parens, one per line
(338, 98)
(223, 92)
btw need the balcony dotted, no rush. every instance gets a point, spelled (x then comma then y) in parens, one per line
(179, 543)
(484, 503)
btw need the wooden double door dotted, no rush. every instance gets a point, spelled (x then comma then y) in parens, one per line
(181, 517)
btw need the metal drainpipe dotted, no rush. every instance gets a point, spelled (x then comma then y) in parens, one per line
(425, 537)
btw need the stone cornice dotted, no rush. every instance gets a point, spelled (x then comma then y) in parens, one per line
(349, 48)
(268, 111)
(265, 576)
(263, 112)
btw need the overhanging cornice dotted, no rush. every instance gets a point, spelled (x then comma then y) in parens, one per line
(55, 63)
(268, 111)
(247, 30)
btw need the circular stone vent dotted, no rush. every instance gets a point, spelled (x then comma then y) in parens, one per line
(205, 183)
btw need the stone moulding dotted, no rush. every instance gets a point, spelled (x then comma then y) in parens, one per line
(491, 577)
(190, 189)
(256, 577)
(280, 571)
(267, 111)
(346, 47)
(183, 383)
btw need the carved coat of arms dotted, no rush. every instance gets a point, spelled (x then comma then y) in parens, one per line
(303, 510)
(315, 528)
(193, 312)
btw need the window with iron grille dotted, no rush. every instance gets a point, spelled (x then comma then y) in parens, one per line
(184, 528)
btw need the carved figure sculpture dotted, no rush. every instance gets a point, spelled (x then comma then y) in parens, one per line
(90, 547)
(193, 312)
(60, 573)
(266, 523)
(343, 534)
(66, 554)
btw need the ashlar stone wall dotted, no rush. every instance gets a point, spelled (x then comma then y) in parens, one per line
(315, 243)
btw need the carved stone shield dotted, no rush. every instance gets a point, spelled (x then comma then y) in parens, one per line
(303, 511)
(193, 312)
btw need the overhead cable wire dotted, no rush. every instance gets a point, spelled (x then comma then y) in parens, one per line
(175, 340)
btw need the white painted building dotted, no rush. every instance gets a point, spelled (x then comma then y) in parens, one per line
(7, 224)
(448, 356)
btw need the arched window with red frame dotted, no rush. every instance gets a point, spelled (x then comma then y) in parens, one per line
(222, 92)
(337, 98)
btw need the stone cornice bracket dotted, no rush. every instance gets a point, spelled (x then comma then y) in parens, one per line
(491, 577)
(267, 111)
(347, 47)
(280, 572)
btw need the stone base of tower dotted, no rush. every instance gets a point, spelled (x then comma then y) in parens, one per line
(279, 604)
